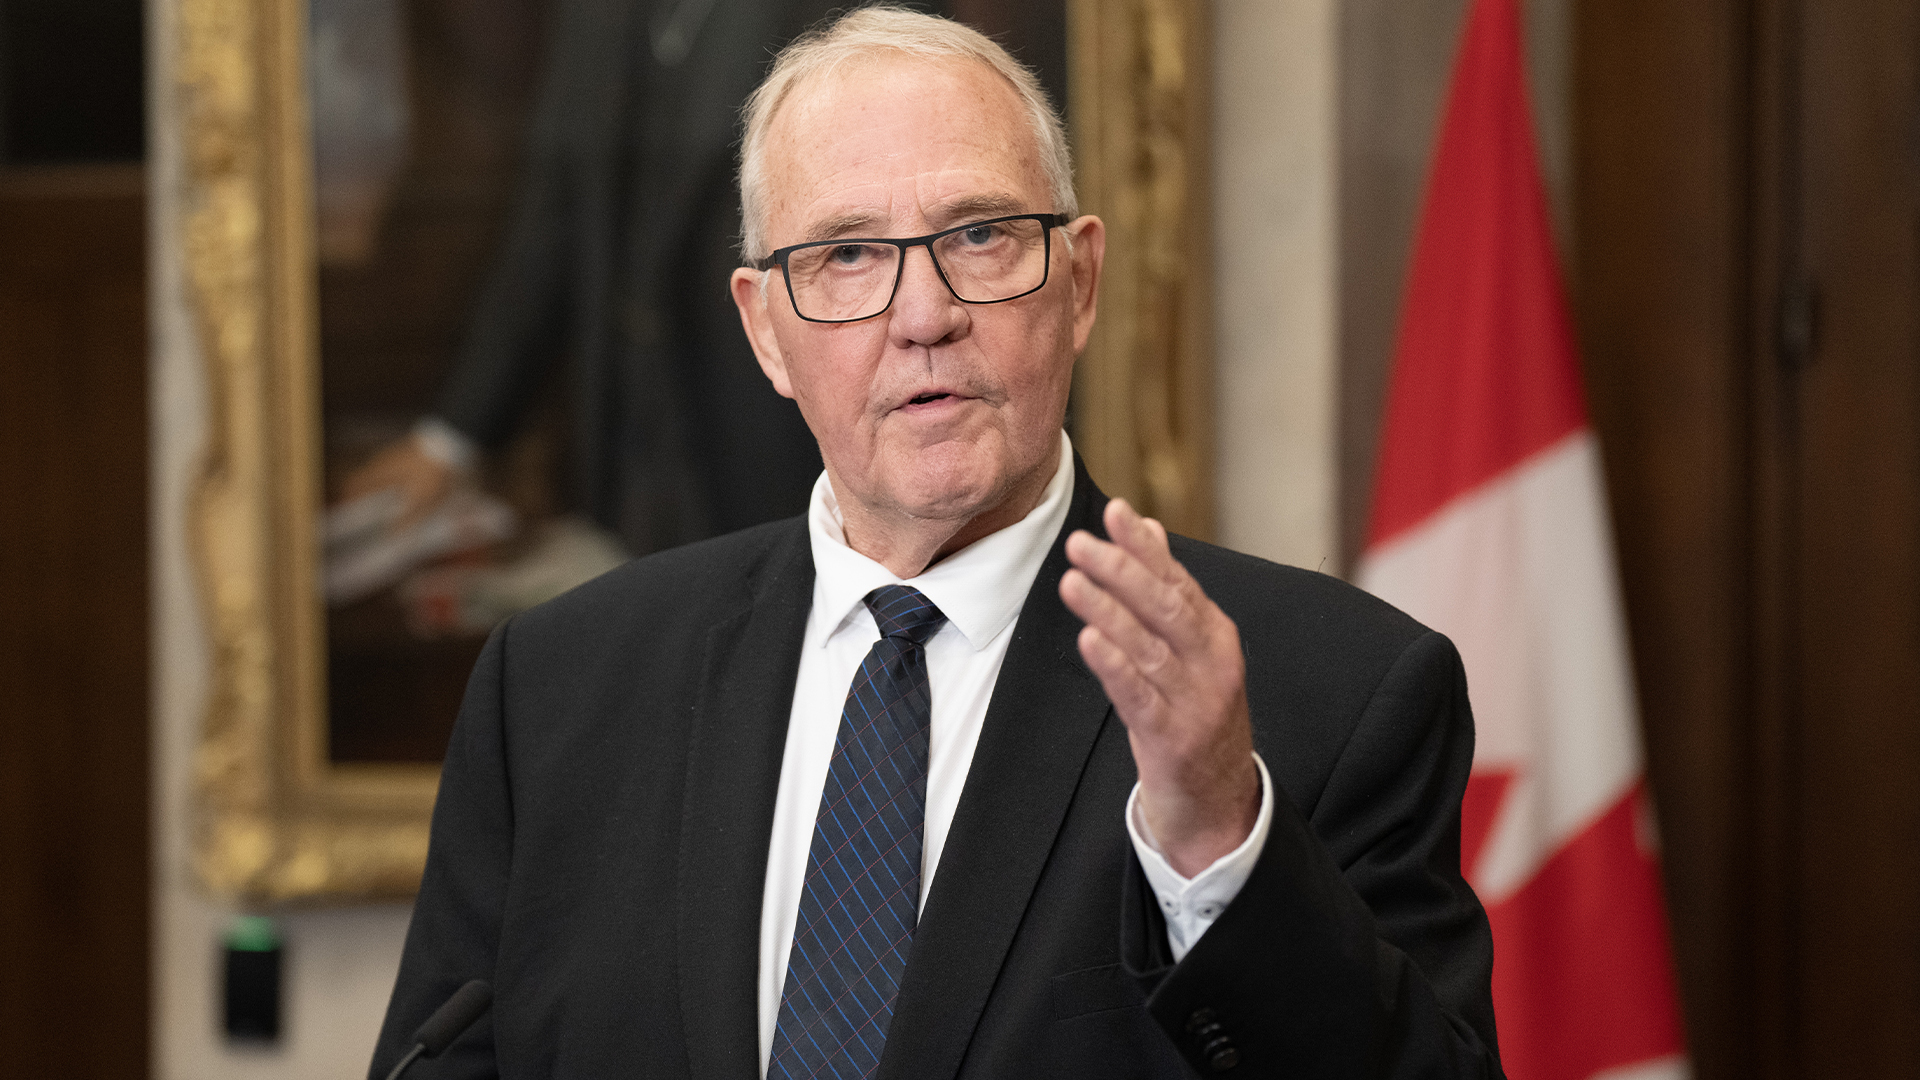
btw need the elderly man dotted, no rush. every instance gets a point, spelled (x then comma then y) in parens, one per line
(970, 771)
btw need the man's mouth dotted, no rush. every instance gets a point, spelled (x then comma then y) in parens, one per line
(937, 402)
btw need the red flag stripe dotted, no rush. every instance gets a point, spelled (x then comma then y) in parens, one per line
(1484, 373)
(1581, 976)
(1486, 531)
(1479, 809)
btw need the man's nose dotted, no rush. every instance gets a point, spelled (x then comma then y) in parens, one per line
(924, 309)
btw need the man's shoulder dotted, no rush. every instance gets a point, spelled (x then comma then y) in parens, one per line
(1302, 620)
(695, 583)
(1261, 587)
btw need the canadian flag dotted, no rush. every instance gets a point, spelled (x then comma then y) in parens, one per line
(1490, 524)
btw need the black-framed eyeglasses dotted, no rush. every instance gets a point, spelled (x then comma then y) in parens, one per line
(981, 262)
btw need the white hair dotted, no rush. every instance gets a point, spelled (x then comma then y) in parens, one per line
(865, 32)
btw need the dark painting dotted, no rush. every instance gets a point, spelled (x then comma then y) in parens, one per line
(531, 367)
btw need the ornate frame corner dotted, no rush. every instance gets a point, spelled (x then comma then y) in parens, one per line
(274, 820)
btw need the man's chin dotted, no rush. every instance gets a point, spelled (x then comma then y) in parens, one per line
(959, 500)
(954, 481)
(958, 506)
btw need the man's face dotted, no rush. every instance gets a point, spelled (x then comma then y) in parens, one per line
(935, 409)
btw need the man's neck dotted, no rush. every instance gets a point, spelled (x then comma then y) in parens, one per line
(908, 545)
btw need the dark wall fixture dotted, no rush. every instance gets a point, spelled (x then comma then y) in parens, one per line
(71, 80)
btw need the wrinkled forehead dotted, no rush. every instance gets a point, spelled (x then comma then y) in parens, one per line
(892, 138)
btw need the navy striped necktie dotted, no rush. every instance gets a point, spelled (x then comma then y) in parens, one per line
(861, 897)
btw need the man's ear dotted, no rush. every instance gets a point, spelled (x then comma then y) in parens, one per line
(756, 317)
(1086, 254)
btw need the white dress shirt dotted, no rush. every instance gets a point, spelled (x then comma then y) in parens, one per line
(980, 590)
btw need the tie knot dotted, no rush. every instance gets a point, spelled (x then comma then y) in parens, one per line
(904, 612)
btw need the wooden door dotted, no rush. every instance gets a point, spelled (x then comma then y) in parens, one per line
(1841, 476)
(1748, 280)
(73, 623)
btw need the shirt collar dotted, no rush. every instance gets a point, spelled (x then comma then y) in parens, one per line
(980, 588)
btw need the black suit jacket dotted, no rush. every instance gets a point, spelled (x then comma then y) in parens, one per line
(599, 846)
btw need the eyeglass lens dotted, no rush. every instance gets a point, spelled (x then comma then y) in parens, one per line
(983, 263)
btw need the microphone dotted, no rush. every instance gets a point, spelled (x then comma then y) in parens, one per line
(447, 1023)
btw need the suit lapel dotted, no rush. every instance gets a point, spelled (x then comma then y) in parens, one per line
(733, 777)
(1046, 713)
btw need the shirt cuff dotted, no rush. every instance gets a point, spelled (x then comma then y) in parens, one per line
(1191, 905)
(446, 444)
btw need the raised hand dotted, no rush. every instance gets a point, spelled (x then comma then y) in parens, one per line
(1172, 665)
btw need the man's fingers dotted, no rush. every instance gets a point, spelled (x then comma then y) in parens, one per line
(1172, 609)
(1154, 673)
(1098, 608)
(1134, 696)
(1142, 537)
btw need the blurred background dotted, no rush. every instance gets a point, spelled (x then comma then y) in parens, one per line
(1735, 191)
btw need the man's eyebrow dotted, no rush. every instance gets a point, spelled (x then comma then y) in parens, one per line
(969, 208)
(975, 207)
(844, 225)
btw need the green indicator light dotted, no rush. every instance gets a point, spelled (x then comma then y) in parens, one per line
(253, 933)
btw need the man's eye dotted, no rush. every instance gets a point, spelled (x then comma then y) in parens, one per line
(979, 235)
(850, 254)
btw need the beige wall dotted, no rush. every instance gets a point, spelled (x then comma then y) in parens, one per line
(1275, 246)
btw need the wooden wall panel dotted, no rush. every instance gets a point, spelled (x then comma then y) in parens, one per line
(73, 625)
(1749, 204)
(1659, 168)
(1855, 471)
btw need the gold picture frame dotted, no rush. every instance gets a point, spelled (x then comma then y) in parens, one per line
(277, 822)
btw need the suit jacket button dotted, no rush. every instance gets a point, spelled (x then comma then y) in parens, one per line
(1211, 1036)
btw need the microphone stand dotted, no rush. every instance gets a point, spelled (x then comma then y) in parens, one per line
(447, 1023)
